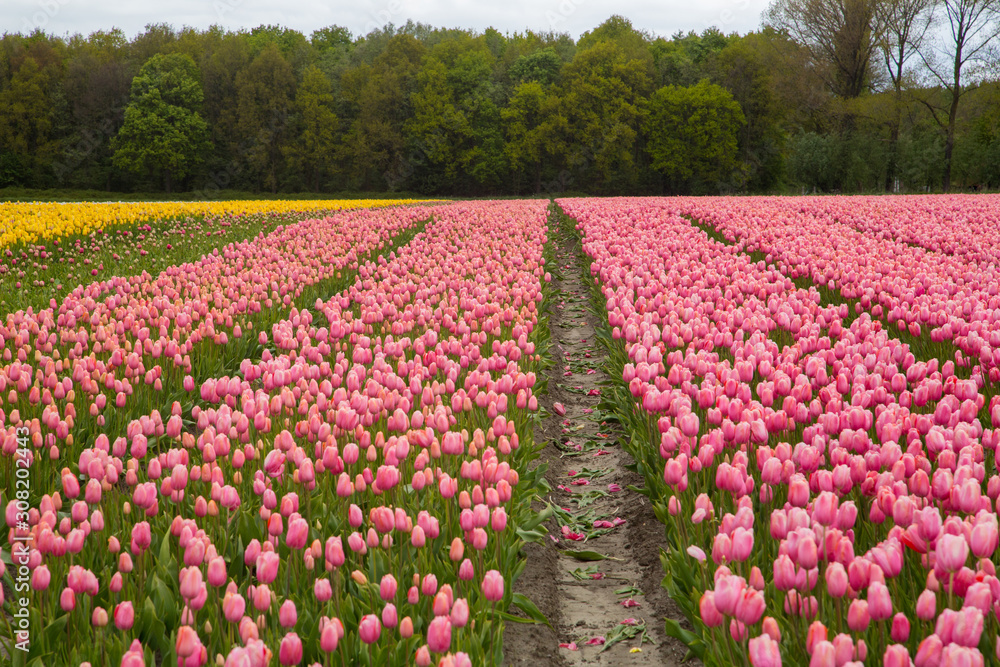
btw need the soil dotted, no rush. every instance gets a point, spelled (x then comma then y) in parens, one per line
(583, 600)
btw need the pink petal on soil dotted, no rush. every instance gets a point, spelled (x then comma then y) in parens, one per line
(614, 488)
(595, 641)
(571, 646)
(559, 408)
(628, 604)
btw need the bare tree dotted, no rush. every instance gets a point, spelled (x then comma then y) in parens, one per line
(959, 60)
(905, 25)
(840, 34)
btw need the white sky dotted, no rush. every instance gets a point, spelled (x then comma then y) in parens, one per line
(662, 17)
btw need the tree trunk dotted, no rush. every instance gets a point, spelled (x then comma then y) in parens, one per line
(890, 172)
(167, 181)
(949, 142)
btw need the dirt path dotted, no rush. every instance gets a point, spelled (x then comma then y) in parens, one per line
(608, 611)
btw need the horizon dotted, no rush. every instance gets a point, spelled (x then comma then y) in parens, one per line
(67, 18)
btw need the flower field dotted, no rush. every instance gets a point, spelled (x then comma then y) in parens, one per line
(48, 249)
(827, 486)
(313, 439)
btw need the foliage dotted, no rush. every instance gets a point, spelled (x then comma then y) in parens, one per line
(163, 130)
(460, 112)
(693, 135)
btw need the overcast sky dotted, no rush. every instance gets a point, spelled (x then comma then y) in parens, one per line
(662, 17)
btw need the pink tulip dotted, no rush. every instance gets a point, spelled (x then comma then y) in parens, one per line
(858, 616)
(287, 614)
(952, 552)
(124, 616)
(900, 628)
(290, 651)
(267, 567)
(439, 634)
(493, 586)
(233, 607)
(896, 655)
(322, 590)
(879, 602)
(764, 652)
(750, 607)
(369, 629)
(710, 615)
(328, 638)
(67, 600)
(836, 580)
(187, 641)
(984, 538)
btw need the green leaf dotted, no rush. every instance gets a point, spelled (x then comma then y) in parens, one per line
(531, 535)
(587, 556)
(151, 628)
(537, 519)
(55, 631)
(522, 602)
(691, 640)
(518, 619)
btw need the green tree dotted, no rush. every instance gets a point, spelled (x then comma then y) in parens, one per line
(542, 66)
(813, 159)
(603, 94)
(535, 125)
(27, 127)
(693, 135)
(312, 151)
(740, 69)
(264, 97)
(378, 105)
(163, 129)
(438, 128)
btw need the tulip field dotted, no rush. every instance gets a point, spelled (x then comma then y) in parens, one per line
(810, 385)
(254, 434)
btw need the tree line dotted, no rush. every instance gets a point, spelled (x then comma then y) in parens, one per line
(828, 95)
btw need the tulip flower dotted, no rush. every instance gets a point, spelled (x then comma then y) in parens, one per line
(290, 651)
(369, 629)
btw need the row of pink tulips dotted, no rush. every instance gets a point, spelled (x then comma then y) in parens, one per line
(925, 265)
(829, 500)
